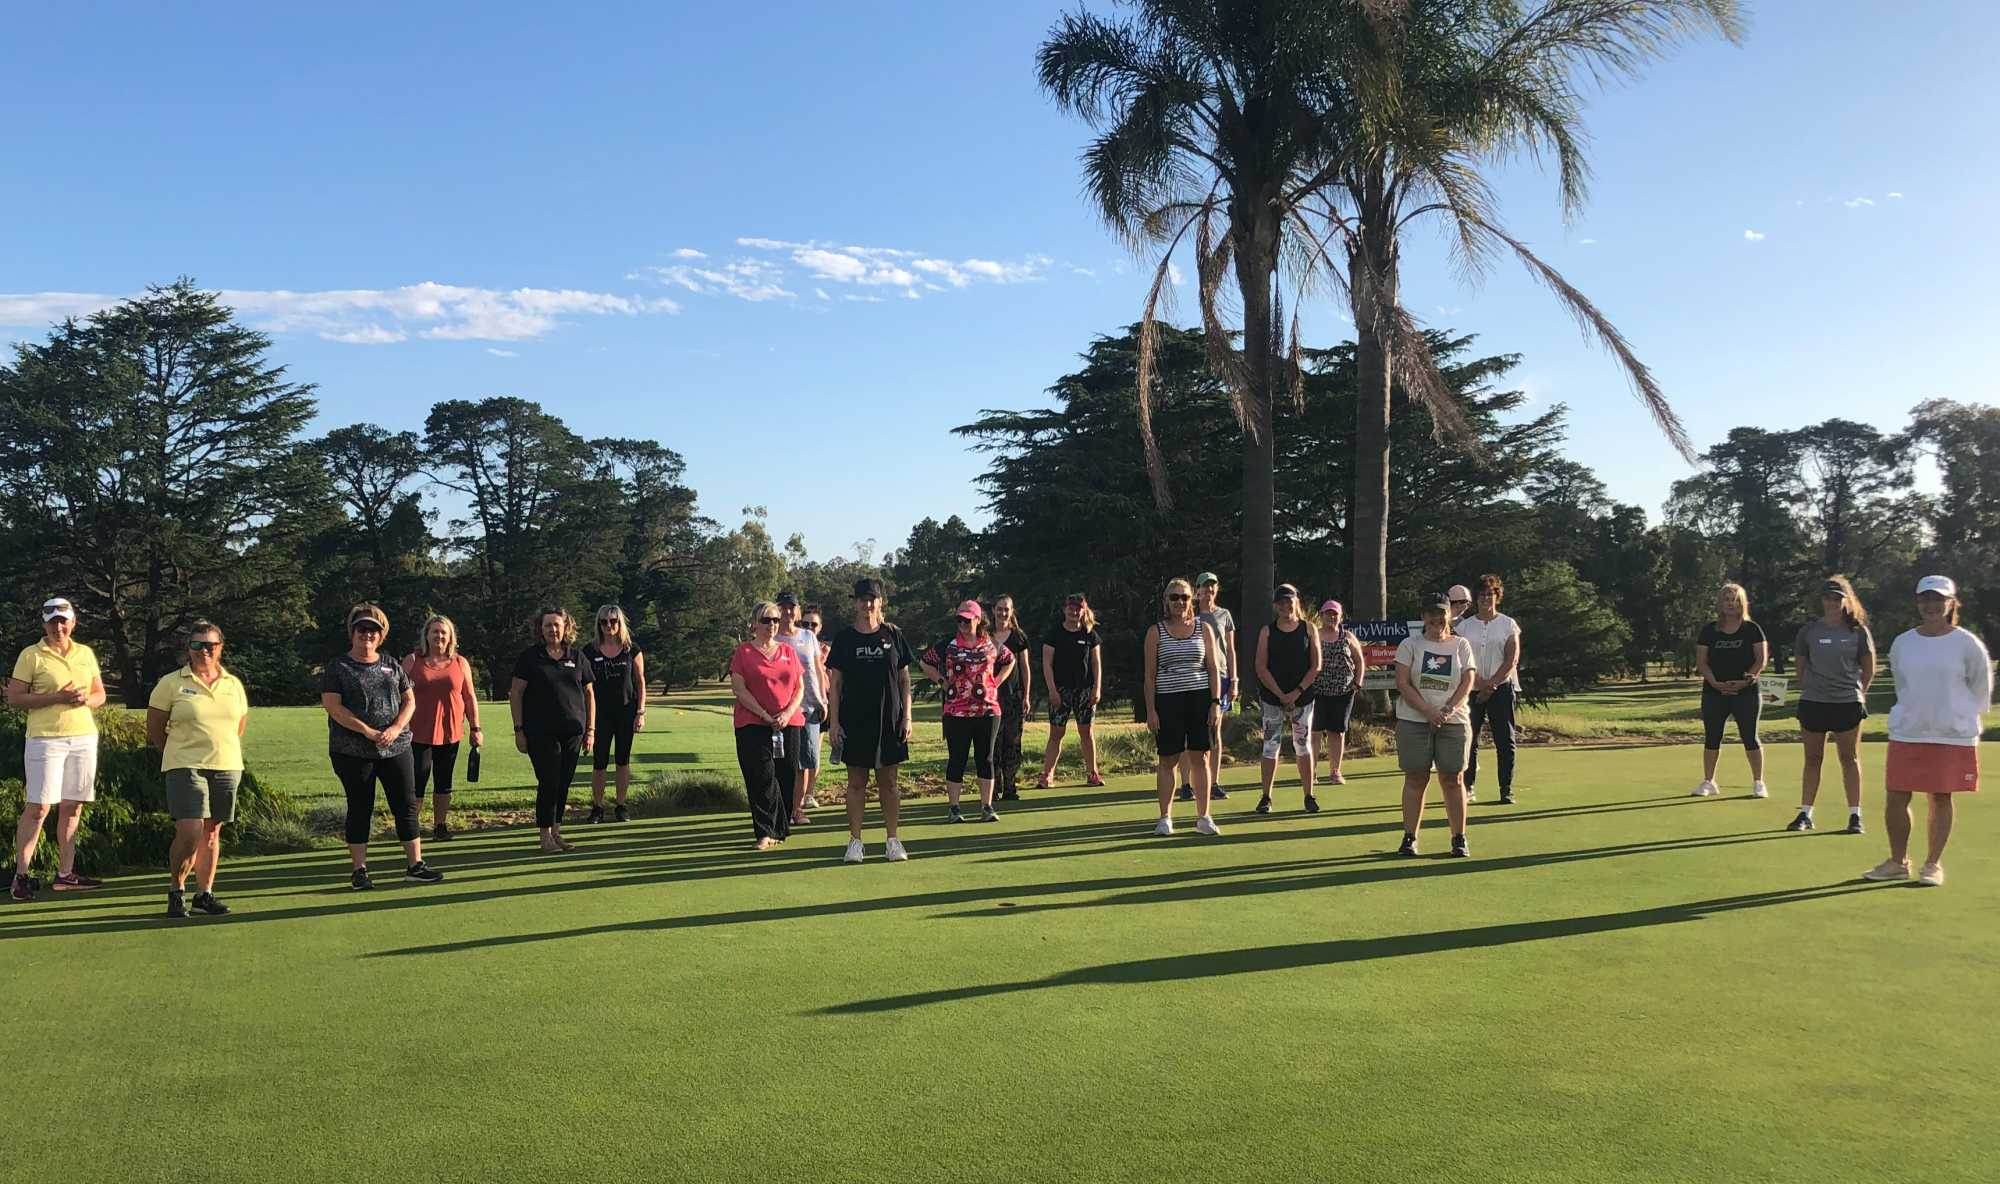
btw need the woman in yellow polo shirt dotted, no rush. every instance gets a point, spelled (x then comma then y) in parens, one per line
(196, 718)
(56, 681)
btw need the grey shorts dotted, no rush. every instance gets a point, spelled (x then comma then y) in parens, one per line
(1421, 748)
(203, 793)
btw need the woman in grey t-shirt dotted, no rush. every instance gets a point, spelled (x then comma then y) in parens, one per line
(1835, 656)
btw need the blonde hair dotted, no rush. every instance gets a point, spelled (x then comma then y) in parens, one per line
(1172, 584)
(623, 635)
(1735, 589)
(760, 608)
(450, 638)
(569, 623)
(1084, 616)
(368, 610)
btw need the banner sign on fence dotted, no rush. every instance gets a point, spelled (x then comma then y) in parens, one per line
(1379, 640)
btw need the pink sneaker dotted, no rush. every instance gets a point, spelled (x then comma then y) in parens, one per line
(75, 882)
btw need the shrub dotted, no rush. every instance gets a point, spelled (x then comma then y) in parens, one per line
(701, 792)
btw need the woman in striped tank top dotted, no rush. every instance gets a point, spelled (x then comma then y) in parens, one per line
(1183, 701)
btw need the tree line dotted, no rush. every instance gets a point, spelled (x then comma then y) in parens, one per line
(157, 470)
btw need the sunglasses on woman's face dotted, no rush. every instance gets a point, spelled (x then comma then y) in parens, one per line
(367, 627)
(813, 625)
(1176, 597)
(767, 620)
(203, 647)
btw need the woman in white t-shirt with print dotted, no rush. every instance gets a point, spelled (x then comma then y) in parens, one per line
(1434, 676)
(1944, 684)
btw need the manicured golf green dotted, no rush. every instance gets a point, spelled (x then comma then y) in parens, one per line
(1623, 983)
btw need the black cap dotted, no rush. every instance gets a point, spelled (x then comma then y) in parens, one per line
(1834, 587)
(1436, 600)
(787, 598)
(868, 587)
(1285, 592)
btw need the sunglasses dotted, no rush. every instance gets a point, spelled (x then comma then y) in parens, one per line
(810, 624)
(767, 620)
(202, 647)
(364, 627)
(1176, 597)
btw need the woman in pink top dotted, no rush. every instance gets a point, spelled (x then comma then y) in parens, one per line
(446, 704)
(770, 686)
(970, 668)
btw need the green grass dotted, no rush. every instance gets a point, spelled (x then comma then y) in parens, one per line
(1624, 984)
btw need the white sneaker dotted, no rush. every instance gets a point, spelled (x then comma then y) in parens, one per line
(894, 852)
(1888, 869)
(1932, 876)
(811, 803)
(1206, 826)
(855, 852)
(1705, 790)
(1469, 795)
(1165, 826)
(1759, 791)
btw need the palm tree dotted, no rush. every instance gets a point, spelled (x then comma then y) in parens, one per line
(1438, 88)
(1216, 118)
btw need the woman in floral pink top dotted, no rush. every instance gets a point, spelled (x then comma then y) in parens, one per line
(970, 668)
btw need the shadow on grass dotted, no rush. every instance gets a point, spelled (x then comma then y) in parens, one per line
(1300, 955)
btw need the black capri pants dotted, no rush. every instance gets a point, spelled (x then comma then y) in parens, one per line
(612, 731)
(972, 734)
(1718, 708)
(1183, 721)
(359, 775)
(554, 758)
(435, 765)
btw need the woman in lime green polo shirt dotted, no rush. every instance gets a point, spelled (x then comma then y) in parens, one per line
(196, 718)
(56, 681)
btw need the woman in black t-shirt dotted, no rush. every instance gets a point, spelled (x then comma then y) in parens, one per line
(868, 711)
(369, 702)
(1017, 698)
(1729, 655)
(555, 714)
(1073, 674)
(618, 669)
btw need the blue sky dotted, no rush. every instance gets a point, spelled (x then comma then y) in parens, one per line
(454, 201)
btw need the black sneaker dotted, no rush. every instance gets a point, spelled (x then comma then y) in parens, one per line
(1264, 804)
(987, 814)
(1506, 797)
(205, 902)
(1409, 846)
(176, 904)
(1312, 804)
(596, 814)
(1010, 795)
(1186, 793)
(952, 814)
(1802, 822)
(1458, 848)
(1219, 794)
(1854, 825)
(440, 834)
(621, 814)
(361, 880)
(422, 873)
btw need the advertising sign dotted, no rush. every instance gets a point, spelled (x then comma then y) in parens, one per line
(1378, 648)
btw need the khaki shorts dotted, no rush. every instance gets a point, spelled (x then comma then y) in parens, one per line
(203, 793)
(1421, 748)
(60, 769)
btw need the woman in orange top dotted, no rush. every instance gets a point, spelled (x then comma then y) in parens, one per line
(445, 705)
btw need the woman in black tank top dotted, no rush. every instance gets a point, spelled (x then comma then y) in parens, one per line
(1288, 660)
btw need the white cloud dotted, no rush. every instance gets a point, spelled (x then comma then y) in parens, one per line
(821, 293)
(690, 253)
(1174, 274)
(1897, 196)
(862, 299)
(1753, 236)
(1800, 202)
(830, 265)
(1586, 242)
(745, 279)
(502, 353)
(1085, 272)
(380, 316)
(1855, 203)
(769, 272)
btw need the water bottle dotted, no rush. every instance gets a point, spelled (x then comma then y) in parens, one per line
(777, 743)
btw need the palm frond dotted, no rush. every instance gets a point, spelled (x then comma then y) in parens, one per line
(1416, 370)
(1212, 253)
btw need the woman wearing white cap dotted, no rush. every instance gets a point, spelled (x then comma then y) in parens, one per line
(1341, 662)
(970, 668)
(1944, 683)
(57, 682)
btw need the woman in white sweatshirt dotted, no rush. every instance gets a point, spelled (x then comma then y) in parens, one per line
(1944, 683)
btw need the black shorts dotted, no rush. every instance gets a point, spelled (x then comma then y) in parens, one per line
(872, 744)
(618, 734)
(1331, 712)
(1183, 721)
(1830, 717)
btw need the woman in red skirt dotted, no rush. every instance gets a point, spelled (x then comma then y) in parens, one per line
(1944, 682)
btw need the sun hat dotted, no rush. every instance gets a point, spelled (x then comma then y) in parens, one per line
(787, 598)
(1942, 585)
(1285, 592)
(970, 610)
(1437, 600)
(868, 587)
(1459, 592)
(56, 606)
(1833, 588)
(1332, 606)
(1205, 579)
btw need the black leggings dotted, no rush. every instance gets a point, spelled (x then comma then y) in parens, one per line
(768, 778)
(554, 758)
(434, 761)
(358, 775)
(1716, 710)
(974, 733)
(1498, 713)
(614, 730)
